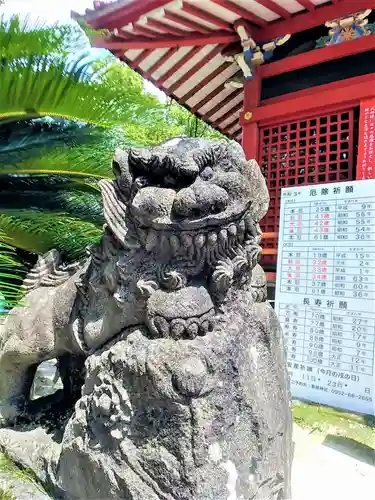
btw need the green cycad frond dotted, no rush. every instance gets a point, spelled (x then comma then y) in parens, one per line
(39, 88)
(46, 184)
(75, 203)
(38, 79)
(25, 138)
(90, 157)
(37, 232)
(20, 38)
(11, 274)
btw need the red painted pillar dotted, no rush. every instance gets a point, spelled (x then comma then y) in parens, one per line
(250, 132)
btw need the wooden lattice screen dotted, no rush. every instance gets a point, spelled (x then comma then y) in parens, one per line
(316, 150)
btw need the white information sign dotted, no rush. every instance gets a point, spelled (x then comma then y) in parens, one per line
(325, 292)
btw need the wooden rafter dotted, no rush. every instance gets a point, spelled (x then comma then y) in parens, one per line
(230, 126)
(197, 66)
(160, 42)
(240, 11)
(156, 83)
(227, 115)
(220, 69)
(233, 95)
(179, 64)
(195, 11)
(308, 20)
(184, 21)
(207, 98)
(237, 126)
(117, 18)
(275, 7)
(307, 4)
(159, 63)
(165, 27)
(143, 31)
(142, 56)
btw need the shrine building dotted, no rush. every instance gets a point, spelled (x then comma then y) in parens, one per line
(292, 80)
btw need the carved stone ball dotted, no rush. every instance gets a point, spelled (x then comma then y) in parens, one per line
(183, 313)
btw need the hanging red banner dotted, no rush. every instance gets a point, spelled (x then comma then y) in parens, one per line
(366, 144)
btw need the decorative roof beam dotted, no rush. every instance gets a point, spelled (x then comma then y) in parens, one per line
(305, 21)
(195, 11)
(275, 7)
(199, 65)
(240, 11)
(183, 21)
(252, 55)
(318, 56)
(193, 39)
(220, 69)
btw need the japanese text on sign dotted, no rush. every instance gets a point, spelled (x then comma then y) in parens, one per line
(366, 143)
(325, 292)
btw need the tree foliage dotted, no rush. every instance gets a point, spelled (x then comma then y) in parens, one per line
(157, 121)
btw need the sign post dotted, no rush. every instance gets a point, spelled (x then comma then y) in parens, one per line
(325, 292)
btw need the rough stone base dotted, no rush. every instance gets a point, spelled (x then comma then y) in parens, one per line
(202, 419)
(206, 419)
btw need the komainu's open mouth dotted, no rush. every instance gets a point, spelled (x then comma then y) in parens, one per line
(183, 186)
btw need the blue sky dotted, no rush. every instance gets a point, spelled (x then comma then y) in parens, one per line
(52, 11)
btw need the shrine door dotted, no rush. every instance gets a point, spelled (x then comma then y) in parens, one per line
(314, 150)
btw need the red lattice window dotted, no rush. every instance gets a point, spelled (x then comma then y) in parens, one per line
(310, 151)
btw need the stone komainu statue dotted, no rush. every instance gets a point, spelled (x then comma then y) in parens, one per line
(185, 394)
